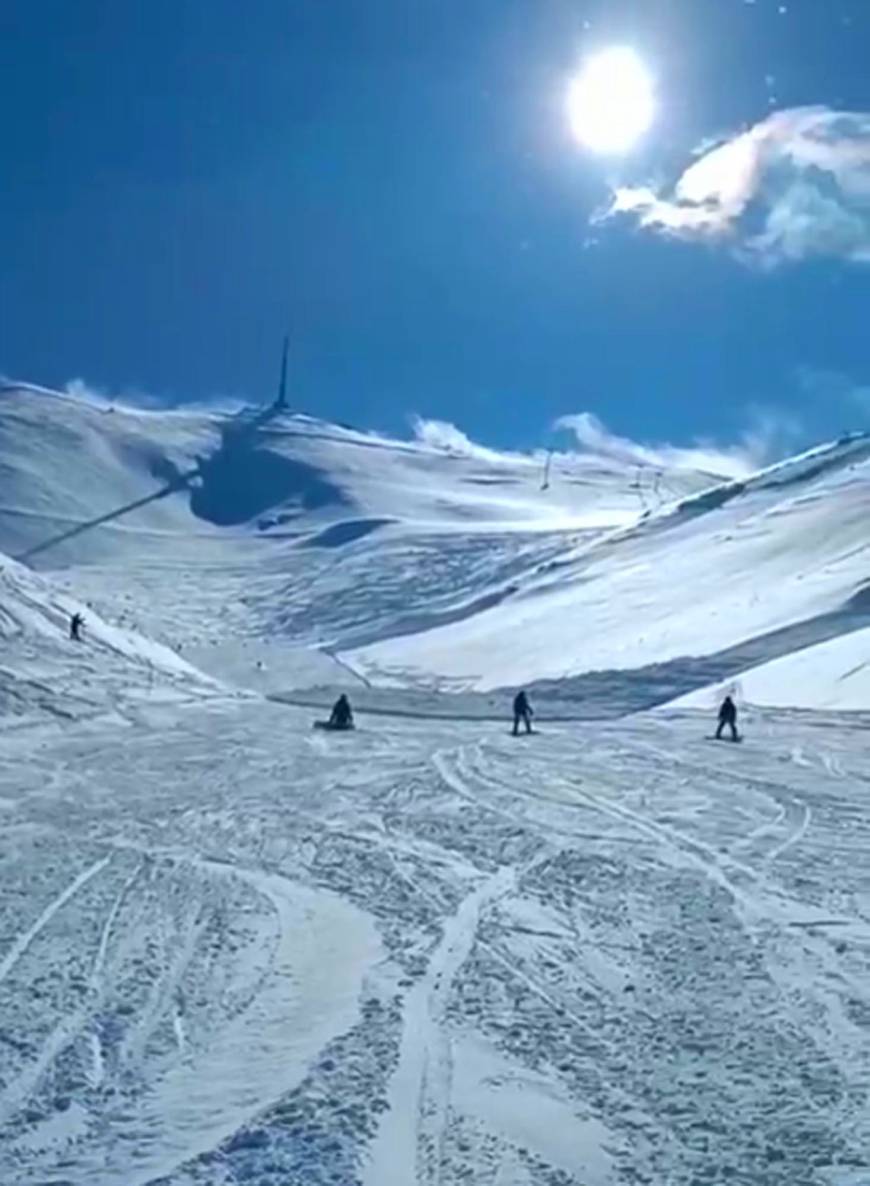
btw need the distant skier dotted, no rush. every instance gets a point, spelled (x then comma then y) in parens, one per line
(728, 716)
(522, 712)
(341, 716)
(75, 627)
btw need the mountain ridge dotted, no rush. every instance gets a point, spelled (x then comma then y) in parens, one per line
(259, 542)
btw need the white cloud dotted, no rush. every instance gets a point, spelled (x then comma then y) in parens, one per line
(441, 434)
(141, 401)
(771, 435)
(794, 186)
(87, 393)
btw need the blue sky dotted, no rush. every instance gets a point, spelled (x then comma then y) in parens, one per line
(397, 181)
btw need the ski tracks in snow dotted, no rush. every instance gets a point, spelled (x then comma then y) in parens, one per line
(799, 817)
(19, 1089)
(764, 906)
(601, 917)
(24, 940)
(408, 1147)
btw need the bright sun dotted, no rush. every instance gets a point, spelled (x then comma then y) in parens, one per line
(611, 104)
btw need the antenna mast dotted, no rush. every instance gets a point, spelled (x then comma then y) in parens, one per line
(281, 401)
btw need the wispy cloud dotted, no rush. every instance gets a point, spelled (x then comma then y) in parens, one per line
(771, 435)
(441, 434)
(795, 186)
(142, 401)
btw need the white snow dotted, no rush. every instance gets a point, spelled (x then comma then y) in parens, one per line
(236, 952)
(830, 675)
(734, 567)
(530, 1111)
(313, 974)
(424, 951)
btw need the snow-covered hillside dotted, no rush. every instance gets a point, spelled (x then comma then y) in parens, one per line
(82, 479)
(245, 537)
(737, 576)
(42, 670)
(281, 552)
(236, 951)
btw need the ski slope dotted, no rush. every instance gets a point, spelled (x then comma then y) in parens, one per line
(736, 577)
(43, 671)
(238, 952)
(235, 952)
(278, 551)
(252, 538)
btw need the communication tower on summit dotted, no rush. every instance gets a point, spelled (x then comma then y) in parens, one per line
(281, 401)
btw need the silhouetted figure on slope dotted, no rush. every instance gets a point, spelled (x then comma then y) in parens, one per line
(522, 712)
(341, 716)
(75, 627)
(728, 716)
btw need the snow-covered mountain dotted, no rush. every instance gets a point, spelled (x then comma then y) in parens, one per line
(742, 575)
(251, 539)
(82, 479)
(237, 951)
(279, 552)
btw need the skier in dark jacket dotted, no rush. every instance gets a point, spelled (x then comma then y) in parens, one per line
(341, 716)
(75, 627)
(522, 712)
(728, 716)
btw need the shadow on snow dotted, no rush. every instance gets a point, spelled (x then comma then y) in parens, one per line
(237, 483)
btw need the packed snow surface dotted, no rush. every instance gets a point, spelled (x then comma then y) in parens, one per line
(235, 951)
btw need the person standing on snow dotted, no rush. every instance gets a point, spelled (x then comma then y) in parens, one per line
(522, 712)
(75, 627)
(728, 716)
(342, 715)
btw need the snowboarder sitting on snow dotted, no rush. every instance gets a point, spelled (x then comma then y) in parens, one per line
(341, 716)
(75, 627)
(727, 716)
(522, 712)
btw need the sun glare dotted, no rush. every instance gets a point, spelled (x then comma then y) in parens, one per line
(611, 103)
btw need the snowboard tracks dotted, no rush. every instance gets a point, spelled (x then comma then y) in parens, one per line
(24, 940)
(409, 1148)
(800, 816)
(409, 1144)
(67, 1030)
(98, 1062)
(718, 867)
(178, 953)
